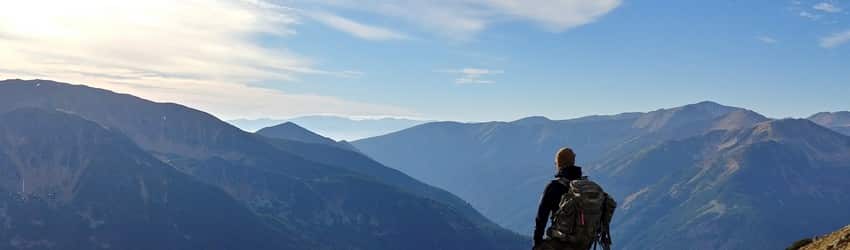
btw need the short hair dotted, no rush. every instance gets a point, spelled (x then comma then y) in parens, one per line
(565, 158)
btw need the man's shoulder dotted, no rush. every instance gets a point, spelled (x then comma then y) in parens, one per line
(558, 183)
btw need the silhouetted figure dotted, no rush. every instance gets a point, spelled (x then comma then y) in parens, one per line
(580, 210)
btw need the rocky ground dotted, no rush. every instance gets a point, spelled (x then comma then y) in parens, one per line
(838, 240)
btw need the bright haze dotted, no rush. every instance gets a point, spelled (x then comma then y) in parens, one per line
(468, 60)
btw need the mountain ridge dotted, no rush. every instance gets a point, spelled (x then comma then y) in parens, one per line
(84, 186)
(693, 191)
(291, 192)
(838, 121)
(609, 147)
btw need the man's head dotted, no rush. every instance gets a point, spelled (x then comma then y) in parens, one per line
(565, 158)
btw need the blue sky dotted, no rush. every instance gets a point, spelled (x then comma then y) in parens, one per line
(468, 60)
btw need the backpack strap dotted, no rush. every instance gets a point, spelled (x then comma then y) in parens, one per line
(563, 181)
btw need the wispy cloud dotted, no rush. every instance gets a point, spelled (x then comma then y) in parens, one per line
(835, 39)
(809, 15)
(767, 39)
(472, 75)
(463, 19)
(826, 7)
(355, 28)
(200, 53)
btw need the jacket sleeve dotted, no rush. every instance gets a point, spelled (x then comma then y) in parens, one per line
(547, 201)
(610, 207)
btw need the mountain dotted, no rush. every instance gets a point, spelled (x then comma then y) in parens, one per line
(334, 207)
(755, 188)
(700, 176)
(304, 143)
(68, 183)
(839, 239)
(292, 132)
(357, 162)
(337, 127)
(515, 159)
(838, 121)
(252, 125)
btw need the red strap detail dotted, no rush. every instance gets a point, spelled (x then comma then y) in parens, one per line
(581, 215)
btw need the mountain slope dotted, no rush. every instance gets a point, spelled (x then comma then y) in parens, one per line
(838, 121)
(332, 205)
(68, 183)
(357, 162)
(754, 188)
(515, 158)
(839, 239)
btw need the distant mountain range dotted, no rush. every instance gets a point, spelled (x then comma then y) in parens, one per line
(336, 127)
(86, 168)
(99, 169)
(700, 176)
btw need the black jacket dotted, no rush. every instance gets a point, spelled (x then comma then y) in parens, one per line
(551, 196)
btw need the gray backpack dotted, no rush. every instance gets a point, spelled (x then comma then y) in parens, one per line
(583, 215)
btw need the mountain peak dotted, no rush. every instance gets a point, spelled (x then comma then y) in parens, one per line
(709, 106)
(294, 132)
(707, 103)
(679, 116)
(532, 120)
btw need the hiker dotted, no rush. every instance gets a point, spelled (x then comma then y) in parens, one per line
(580, 210)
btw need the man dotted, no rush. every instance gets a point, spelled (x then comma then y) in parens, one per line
(574, 227)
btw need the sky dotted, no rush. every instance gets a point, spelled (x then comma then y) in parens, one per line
(465, 60)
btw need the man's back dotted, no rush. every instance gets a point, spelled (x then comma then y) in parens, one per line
(550, 199)
(580, 210)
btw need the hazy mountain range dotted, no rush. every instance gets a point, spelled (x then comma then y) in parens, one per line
(97, 169)
(336, 127)
(700, 176)
(85, 168)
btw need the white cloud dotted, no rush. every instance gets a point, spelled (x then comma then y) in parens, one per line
(472, 75)
(767, 39)
(809, 15)
(356, 29)
(835, 39)
(557, 15)
(199, 53)
(463, 19)
(826, 7)
(471, 80)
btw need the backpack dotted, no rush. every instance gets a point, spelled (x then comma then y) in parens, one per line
(583, 215)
